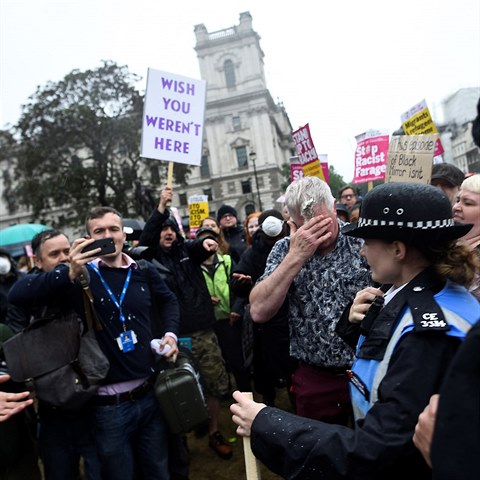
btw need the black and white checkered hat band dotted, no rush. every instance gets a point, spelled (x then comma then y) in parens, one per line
(429, 224)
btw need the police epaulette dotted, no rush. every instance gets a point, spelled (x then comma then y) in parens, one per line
(426, 312)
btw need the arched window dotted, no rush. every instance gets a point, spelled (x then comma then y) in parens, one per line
(229, 69)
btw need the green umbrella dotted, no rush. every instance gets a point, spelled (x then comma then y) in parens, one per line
(17, 237)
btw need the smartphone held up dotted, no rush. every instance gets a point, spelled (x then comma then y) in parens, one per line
(107, 245)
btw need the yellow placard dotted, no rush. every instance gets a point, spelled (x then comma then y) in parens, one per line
(420, 123)
(197, 212)
(313, 169)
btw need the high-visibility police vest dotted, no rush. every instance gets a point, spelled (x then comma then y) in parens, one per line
(455, 313)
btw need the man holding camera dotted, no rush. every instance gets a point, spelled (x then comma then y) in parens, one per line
(129, 429)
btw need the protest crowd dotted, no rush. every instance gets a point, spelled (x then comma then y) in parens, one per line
(363, 311)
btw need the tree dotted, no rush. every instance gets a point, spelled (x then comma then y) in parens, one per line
(335, 180)
(7, 152)
(79, 145)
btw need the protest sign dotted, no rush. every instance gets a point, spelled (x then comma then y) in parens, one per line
(418, 121)
(323, 157)
(371, 156)
(173, 118)
(307, 155)
(410, 158)
(198, 210)
(174, 211)
(296, 171)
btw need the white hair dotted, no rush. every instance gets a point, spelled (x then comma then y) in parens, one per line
(305, 189)
(472, 184)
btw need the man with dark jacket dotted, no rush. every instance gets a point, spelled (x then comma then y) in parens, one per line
(180, 267)
(233, 232)
(64, 436)
(130, 430)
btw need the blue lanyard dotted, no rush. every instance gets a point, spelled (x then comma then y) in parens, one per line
(118, 303)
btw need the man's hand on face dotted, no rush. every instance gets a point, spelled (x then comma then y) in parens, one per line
(307, 239)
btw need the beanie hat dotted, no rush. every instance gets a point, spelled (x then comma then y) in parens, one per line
(224, 210)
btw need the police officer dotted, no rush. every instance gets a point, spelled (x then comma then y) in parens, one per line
(403, 350)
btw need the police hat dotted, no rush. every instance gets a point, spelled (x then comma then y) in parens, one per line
(409, 212)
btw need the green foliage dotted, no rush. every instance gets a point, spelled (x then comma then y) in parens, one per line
(7, 150)
(335, 180)
(79, 145)
(285, 169)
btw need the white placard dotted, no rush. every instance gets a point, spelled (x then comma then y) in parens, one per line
(173, 118)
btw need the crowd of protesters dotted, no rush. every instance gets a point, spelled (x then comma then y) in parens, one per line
(360, 308)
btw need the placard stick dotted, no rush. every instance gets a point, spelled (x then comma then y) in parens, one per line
(251, 463)
(170, 174)
(169, 178)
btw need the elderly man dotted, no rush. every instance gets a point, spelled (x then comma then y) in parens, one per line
(319, 270)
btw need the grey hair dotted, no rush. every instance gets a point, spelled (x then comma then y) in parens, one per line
(471, 183)
(305, 189)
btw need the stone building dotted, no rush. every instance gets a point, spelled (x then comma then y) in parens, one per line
(459, 110)
(247, 136)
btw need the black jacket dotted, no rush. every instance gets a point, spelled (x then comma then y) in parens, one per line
(235, 236)
(182, 272)
(456, 441)
(380, 445)
(272, 359)
(252, 263)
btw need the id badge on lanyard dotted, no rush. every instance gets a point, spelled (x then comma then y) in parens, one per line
(127, 339)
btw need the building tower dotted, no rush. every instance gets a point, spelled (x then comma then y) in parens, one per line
(247, 135)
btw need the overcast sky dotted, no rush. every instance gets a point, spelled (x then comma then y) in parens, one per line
(343, 67)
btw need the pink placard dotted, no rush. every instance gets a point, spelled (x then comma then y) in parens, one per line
(296, 171)
(371, 159)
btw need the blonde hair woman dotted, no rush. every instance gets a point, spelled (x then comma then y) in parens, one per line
(467, 210)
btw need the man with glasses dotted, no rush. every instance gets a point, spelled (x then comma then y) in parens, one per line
(347, 196)
(64, 435)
